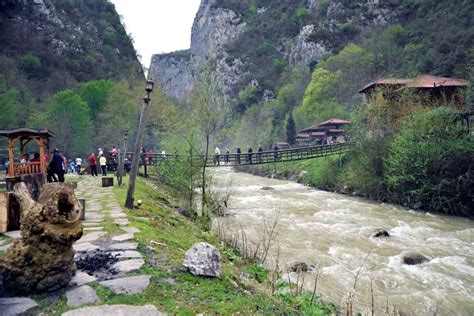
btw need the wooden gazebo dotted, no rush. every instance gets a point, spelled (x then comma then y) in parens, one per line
(23, 136)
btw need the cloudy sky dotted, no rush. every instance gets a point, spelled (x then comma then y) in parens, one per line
(158, 26)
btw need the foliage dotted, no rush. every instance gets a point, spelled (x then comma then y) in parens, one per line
(69, 117)
(30, 63)
(319, 101)
(95, 94)
(290, 130)
(8, 106)
(430, 164)
(259, 272)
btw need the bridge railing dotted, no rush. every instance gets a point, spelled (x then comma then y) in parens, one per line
(254, 158)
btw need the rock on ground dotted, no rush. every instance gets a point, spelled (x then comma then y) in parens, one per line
(129, 265)
(81, 295)
(81, 278)
(15, 305)
(129, 286)
(203, 259)
(116, 310)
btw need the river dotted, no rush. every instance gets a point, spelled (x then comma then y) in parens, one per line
(334, 230)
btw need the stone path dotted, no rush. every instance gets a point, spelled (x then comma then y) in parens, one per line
(102, 209)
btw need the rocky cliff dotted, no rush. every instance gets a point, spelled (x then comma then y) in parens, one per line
(173, 73)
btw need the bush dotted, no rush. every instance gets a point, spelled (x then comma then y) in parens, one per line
(30, 63)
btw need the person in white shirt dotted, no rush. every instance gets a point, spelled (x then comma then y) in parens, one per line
(78, 165)
(217, 153)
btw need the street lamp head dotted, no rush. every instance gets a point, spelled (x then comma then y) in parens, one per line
(149, 85)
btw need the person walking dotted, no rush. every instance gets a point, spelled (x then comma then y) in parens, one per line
(226, 156)
(238, 154)
(249, 155)
(93, 165)
(217, 153)
(78, 165)
(56, 167)
(259, 155)
(103, 165)
(275, 152)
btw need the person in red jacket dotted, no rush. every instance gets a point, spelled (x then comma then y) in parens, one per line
(93, 165)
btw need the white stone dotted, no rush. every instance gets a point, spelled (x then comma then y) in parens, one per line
(203, 259)
(94, 215)
(121, 221)
(122, 246)
(126, 254)
(15, 305)
(91, 224)
(81, 295)
(84, 247)
(122, 237)
(81, 278)
(129, 286)
(130, 230)
(98, 228)
(118, 215)
(91, 237)
(116, 310)
(129, 265)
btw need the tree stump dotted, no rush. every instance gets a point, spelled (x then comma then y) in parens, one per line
(43, 259)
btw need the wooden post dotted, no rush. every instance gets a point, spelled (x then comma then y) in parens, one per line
(11, 158)
(41, 152)
(122, 154)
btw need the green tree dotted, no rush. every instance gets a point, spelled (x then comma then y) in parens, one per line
(8, 106)
(319, 102)
(290, 130)
(30, 63)
(69, 117)
(95, 94)
(430, 163)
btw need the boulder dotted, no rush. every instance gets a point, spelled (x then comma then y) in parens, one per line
(298, 266)
(267, 188)
(203, 259)
(412, 258)
(380, 233)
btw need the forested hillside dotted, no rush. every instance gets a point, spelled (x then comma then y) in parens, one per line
(70, 66)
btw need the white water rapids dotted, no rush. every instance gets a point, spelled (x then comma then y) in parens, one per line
(334, 230)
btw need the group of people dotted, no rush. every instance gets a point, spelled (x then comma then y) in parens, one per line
(249, 156)
(101, 161)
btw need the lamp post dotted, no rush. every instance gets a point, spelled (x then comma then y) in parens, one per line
(122, 154)
(138, 144)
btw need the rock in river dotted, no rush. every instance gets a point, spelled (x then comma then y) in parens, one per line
(412, 258)
(381, 233)
(203, 259)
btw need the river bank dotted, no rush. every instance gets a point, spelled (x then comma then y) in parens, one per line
(333, 232)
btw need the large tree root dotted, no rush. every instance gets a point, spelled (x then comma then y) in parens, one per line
(43, 259)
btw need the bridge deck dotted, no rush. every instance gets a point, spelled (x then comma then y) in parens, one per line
(243, 159)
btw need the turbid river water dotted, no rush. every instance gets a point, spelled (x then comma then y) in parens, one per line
(334, 230)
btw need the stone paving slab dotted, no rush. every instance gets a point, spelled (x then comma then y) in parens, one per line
(129, 265)
(122, 246)
(97, 228)
(116, 310)
(91, 224)
(15, 305)
(81, 295)
(91, 237)
(94, 215)
(126, 254)
(131, 230)
(15, 234)
(123, 237)
(84, 247)
(118, 215)
(4, 248)
(81, 278)
(128, 286)
(122, 221)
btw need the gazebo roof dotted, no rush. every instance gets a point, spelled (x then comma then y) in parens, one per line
(25, 132)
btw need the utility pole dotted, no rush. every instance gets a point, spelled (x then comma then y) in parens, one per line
(122, 154)
(138, 144)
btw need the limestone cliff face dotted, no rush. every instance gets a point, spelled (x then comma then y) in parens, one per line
(173, 73)
(228, 33)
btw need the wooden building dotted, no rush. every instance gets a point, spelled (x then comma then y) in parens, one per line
(330, 131)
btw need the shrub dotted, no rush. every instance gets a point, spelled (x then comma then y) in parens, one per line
(30, 63)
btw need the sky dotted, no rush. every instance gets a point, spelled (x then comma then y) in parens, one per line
(158, 26)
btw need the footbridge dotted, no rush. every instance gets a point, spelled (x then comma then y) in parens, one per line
(239, 159)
